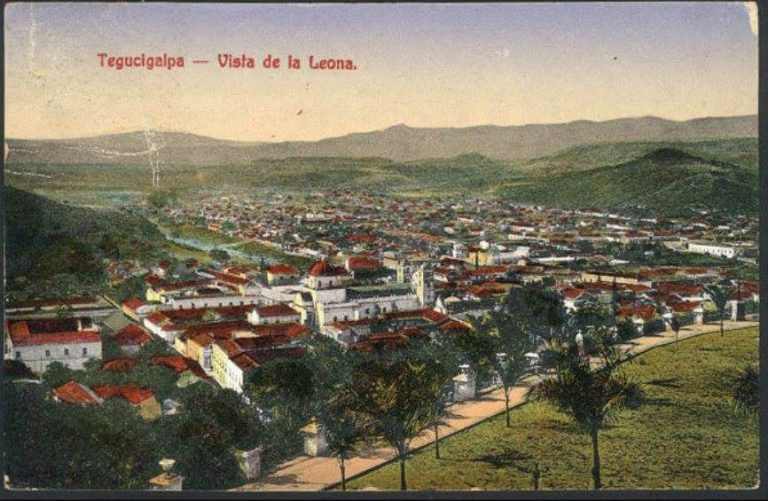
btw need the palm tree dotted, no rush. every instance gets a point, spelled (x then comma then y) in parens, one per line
(672, 320)
(591, 397)
(510, 341)
(344, 429)
(720, 294)
(394, 393)
(746, 390)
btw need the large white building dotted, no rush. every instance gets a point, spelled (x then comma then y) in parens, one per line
(328, 298)
(40, 342)
(714, 249)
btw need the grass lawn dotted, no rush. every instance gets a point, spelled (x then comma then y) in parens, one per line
(685, 436)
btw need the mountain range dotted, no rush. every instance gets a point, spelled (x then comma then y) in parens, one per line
(399, 143)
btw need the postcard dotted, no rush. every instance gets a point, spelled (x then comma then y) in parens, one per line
(422, 247)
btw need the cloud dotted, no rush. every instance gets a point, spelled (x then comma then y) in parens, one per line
(751, 8)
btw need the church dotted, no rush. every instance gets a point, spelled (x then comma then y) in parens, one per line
(329, 296)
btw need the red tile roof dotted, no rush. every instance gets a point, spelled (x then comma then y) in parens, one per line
(74, 393)
(229, 278)
(324, 269)
(573, 293)
(134, 303)
(30, 333)
(363, 263)
(685, 306)
(644, 312)
(157, 318)
(454, 325)
(132, 334)
(282, 269)
(178, 364)
(186, 284)
(122, 365)
(275, 310)
(130, 393)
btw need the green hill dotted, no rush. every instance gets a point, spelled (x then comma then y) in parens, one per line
(52, 248)
(590, 156)
(665, 180)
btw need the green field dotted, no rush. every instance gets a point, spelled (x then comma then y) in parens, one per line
(686, 435)
(270, 253)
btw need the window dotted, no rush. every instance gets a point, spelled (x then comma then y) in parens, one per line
(85, 351)
(345, 318)
(18, 354)
(66, 352)
(47, 353)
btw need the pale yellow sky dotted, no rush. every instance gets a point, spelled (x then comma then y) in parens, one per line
(424, 65)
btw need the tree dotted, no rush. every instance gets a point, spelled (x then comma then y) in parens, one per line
(511, 342)
(158, 199)
(64, 311)
(345, 428)
(675, 324)
(442, 363)
(392, 393)
(720, 294)
(219, 255)
(591, 397)
(211, 424)
(285, 389)
(537, 307)
(746, 390)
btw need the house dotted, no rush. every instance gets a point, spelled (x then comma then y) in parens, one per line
(362, 265)
(324, 276)
(282, 273)
(135, 308)
(714, 249)
(39, 342)
(75, 394)
(233, 359)
(273, 314)
(189, 371)
(131, 338)
(141, 398)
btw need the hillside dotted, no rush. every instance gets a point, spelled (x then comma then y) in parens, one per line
(463, 174)
(742, 151)
(665, 180)
(399, 143)
(608, 175)
(52, 246)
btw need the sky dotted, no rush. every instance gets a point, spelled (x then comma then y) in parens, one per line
(425, 65)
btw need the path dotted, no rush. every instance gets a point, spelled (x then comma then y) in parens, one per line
(317, 473)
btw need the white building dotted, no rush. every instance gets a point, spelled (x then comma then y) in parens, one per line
(40, 342)
(714, 249)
